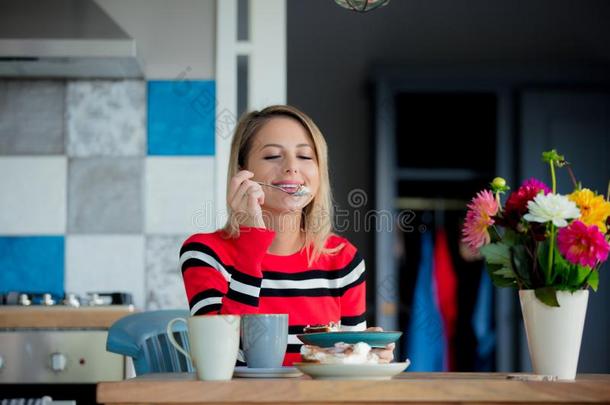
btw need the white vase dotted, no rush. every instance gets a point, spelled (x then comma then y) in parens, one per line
(554, 333)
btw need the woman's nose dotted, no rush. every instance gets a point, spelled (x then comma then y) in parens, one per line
(291, 166)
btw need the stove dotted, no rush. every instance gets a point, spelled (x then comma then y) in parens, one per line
(49, 339)
(92, 299)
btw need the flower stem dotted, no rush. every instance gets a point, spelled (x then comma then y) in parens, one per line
(552, 237)
(496, 231)
(498, 201)
(554, 181)
(551, 252)
(572, 176)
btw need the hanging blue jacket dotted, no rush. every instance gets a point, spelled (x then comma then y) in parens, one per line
(425, 337)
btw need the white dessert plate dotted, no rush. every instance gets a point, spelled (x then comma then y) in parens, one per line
(352, 371)
(277, 372)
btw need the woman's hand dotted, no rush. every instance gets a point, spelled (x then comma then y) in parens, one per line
(386, 355)
(245, 198)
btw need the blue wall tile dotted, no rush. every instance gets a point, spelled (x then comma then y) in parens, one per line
(181, 117)
(32, 264)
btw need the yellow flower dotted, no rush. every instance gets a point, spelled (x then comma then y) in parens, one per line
(594, 209)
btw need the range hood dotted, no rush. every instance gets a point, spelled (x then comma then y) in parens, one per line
(63, 38)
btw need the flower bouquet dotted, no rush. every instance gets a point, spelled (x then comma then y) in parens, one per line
(540, 240)
(549, 246)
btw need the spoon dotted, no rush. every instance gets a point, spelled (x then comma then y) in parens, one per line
(301, 191)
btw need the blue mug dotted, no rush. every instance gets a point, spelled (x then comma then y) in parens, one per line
(264, 338)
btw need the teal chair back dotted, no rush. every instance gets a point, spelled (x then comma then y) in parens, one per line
(142, 336)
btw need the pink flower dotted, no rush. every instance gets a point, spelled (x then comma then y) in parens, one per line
(582, 244)
(479, 218)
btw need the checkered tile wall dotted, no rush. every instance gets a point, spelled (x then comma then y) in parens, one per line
(100, 182)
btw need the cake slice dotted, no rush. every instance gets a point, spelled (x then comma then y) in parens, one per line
(330, 327)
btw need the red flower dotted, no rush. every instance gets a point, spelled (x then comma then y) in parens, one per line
(516, 204)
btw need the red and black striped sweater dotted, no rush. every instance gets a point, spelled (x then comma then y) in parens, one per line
(238, 276)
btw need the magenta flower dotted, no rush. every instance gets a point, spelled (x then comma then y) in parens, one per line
(536, 184)
(479, 218)
(582, 244)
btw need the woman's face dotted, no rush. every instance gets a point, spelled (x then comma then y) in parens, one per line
(283, 154)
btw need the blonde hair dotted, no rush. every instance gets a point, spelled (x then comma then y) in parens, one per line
(317, 216)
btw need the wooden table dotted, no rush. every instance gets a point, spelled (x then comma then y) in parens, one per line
(412, 388)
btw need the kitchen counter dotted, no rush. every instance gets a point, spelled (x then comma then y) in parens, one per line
(428, 388)
(38, 316)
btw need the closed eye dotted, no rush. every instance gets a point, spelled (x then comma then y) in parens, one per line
(306, 157)
(271, 157)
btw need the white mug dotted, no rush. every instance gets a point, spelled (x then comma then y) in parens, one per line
(214, 342)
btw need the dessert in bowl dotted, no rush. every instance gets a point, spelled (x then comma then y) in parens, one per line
(340, 353)
(332, 354)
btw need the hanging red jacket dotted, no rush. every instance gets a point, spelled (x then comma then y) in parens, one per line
(446, 286)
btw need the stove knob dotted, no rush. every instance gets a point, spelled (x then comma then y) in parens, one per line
(24, 300)
(71, 300)
(47, 299)
(95, 300)
(58, 362)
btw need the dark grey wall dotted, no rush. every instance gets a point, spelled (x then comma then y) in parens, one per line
(331, 52)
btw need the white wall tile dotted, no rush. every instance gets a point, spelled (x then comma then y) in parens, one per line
(179, 195)
(106, 118)
(164, 285)
(33, 196)
(106, 263)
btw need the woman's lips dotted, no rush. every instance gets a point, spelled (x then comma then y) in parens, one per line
(289, 187)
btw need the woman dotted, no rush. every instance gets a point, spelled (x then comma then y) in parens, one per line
(277, 252)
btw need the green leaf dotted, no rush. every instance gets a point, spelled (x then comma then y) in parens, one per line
(543, 264)
(522, 265)
(547, 295)
(499, 264)
(543, 256)
(500, 276)
(512, 238)
(561, 267)
(498, 257)
(578, 276)
(497, 253)
(593, 280)
(505, 272)
(501, 281)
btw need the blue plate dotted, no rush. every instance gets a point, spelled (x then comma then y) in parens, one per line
(328, 339)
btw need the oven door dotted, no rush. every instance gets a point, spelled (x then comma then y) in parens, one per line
(57, 356)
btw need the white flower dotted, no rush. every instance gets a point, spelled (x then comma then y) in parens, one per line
(551, 207)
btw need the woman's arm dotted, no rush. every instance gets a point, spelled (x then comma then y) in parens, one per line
(353, 299)
(224, 275)
(353, 308)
